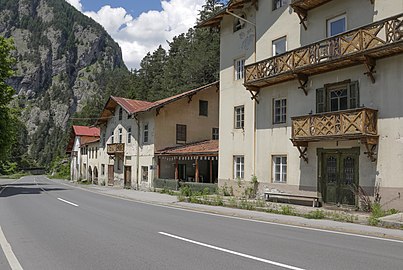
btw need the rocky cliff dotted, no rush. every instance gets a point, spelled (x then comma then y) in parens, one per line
(61, 56)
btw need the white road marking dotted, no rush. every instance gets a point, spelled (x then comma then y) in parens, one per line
(73, 204)
(239, 218)
(233, 252)
(8, 252)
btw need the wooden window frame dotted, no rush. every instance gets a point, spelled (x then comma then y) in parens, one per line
(281, 173)
(203, 108)
(353, 95)
(274, 45)
(281, 121)
(239, 68)
(239, 174)
(181, 133)
(241, 121)
(334, 19)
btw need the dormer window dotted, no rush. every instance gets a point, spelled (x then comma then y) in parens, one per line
(239, 23)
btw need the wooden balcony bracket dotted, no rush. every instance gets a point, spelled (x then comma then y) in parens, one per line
(302, 149)
(190, 97)
(157, 111)
(303, 82)
(370, 145)
(254, 91)
(302, 15)
(370, 64)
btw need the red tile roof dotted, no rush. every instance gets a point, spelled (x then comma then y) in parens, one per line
(197, 148)
(86, 131)
(132, 105)
(87, 140)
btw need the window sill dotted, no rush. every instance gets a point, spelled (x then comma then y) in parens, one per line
(279, 182)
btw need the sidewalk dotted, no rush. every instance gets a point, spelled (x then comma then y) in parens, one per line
(172, 201)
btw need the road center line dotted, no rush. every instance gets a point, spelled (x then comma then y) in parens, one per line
(8, 252)
(73, 204)
(232, 252)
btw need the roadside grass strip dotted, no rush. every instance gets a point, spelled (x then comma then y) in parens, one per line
(286, 266)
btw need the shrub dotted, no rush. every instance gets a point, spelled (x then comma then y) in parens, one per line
(317, 214)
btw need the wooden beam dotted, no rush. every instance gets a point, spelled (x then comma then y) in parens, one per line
(158, 167)
(255, 95)
(157, 111)
(197, 171)
(303, 82)
(176, 169)
(370, 64)
(302, 15)
(211, 171)
(370, 145)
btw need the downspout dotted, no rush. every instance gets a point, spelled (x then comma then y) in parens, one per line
(254, 103)
(138, 151)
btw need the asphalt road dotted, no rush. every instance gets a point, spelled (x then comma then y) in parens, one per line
(53, 226)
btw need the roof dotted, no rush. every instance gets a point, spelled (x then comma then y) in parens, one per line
(133, 106)
(232, 5)
(86, 131)
(209, 147)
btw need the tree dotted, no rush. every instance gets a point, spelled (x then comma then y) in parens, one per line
(8, 116)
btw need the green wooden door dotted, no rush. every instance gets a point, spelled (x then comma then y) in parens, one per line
(339, 176)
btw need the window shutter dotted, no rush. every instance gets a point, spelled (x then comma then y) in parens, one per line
(354, 95)
(320, 100)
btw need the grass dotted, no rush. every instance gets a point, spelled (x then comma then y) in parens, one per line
(377, 212)
(14, 176)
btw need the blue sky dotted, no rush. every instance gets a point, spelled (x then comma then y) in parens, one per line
(140, 26)
(134, 7)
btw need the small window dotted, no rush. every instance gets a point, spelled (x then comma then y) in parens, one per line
(239, 117)
(279, 3)
(103, 139)
(279, 46)
(96, 152)
(337, 97)
(215, 133)
(129, 135)
(112, 137)
(238, 167)
(239, 68)
(280, 110)
(119, 164)
(180, 133)
(120, 113)
(203, 107)
(102, 169)
(239, 23)
(280, 169)
(144, 173)
(336, 25)
(120, 135)
(145, 133)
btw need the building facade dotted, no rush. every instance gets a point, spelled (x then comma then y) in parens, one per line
(133, 131)
(310, 94)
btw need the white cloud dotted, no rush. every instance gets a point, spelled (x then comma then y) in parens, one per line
(137, 36)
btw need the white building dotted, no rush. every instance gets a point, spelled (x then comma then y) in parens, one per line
(310, 97)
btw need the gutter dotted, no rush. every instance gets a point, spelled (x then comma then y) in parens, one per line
(138, 150)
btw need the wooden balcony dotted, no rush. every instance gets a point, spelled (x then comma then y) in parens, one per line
(115, 149)
(362, 45)
(360, 124)
(307, 4)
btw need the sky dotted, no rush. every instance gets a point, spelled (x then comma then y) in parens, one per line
(140, 26)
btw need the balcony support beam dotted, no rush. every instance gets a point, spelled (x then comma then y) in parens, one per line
(370, 64)
(303, 82)
(302, 149)
(302, 15)
(370, 144)
(254, 94)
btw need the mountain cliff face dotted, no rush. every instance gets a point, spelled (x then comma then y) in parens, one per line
(62, 56)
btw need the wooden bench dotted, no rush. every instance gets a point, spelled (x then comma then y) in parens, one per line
(315, 199)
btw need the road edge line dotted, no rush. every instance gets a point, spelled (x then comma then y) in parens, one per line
(8, 252)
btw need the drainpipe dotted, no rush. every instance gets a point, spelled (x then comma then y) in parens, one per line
(138, 150)
(254, 103)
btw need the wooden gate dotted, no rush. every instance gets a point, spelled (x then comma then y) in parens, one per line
(128, 176)
(110, 175)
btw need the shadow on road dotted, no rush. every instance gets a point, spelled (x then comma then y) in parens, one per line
(15, 189)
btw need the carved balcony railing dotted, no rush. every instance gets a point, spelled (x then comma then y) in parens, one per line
(362, 45)
(352, 124)
(115, 149)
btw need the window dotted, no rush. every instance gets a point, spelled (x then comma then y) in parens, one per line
(180, 133)
(112, 137)
(239, 68)
(279, 46)
(102, 169)
(203, 107)
(238, 167)
(103, 139)
(120, 135)
(215, 134)
(120, 113)
(239, 23)
(239, 117)
(279, 3)
(280, 111)
(145, 133)
(144, 173)
(96, 152)
(337, 97)
(129, 135)
(336, 25)
(119, 164)
(280, 169)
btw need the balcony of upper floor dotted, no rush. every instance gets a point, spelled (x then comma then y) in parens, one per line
(115, 149)
(359, 46)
